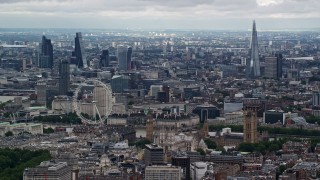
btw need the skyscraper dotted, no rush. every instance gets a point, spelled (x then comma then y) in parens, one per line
(253, 67)
(316, 99)
(279, 65)
(120, 83)
(274, 66)
(64, 77)
(124, 57)
(129, 56)
(79, 51)
(271, 67)
(46, 54)
(105, 58)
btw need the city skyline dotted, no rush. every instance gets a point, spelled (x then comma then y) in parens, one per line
(150, 14)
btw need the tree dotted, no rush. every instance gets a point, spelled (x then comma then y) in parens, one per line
(246, 147)
(48, 130)
(6, 114)
(85, 115)
(201, 151)
(130, 103)
(274, 147)
(71, 118)
(141, 144)
(261, 148)
(14, 161)
(211, 144)
(282, 168)
(9, 133)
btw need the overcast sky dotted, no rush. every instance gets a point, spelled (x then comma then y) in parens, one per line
(160, 14)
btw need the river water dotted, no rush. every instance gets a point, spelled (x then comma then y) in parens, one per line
(140, 132)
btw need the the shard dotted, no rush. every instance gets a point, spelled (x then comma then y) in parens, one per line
(253, 67)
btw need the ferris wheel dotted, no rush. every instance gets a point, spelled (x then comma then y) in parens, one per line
(99, 106)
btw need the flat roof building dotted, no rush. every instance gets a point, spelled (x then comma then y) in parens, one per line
(162, 172)
(153, 154)
(48, 170)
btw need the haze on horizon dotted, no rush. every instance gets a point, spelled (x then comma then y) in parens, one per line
(161, 14)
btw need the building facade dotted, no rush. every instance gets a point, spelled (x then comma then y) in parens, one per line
(105, 58)
(18, 128)
(124, 55)
(46, 54)
(64, 77)
(49, 170)
(153, 154)
(162, 172)
(119, 83)
(273, 66)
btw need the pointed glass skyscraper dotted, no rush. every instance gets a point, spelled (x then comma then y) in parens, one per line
(79, 51)
(253, 67)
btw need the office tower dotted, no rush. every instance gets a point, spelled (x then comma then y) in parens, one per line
(253, 67)
(46, 91)
(316, 99)
(46, 54)
(162, 172)
(271, 67)
(164, 95)
(153, 154)
(250, 131)
(190, 92)
(129, 58)
(206, 111)
(64, 77)
(79, 51)
(166, 47)
(120, 83)
(182, 160)
(154, 90)
(279, 65)
(105, 58)
(124, 57)
(274, 66)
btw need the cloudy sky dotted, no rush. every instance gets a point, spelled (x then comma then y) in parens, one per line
(160, 14)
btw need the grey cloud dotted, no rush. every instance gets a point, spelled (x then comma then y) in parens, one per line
(174, 11)
(24, 1)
